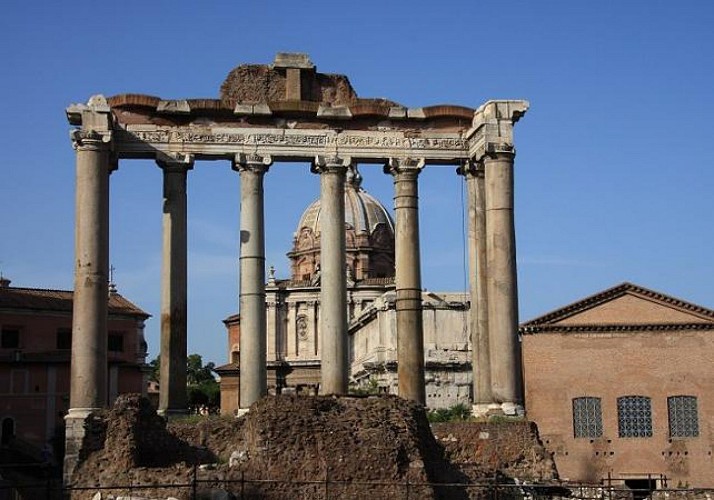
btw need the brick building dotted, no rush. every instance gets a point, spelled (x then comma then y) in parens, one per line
(35, 351)
(621, 384)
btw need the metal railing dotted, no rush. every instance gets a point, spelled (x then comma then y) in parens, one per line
(244, 488)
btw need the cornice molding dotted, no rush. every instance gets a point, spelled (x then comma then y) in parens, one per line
(615, 328)
(613, 293)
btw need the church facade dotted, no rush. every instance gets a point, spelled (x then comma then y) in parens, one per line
(294, 346)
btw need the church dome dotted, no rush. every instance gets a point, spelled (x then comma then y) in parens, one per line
(369, 235)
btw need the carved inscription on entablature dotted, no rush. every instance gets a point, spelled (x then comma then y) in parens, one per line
(304, 140)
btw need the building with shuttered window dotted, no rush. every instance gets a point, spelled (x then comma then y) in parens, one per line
(35, 352)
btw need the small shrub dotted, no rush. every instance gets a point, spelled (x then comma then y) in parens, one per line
(457, 413)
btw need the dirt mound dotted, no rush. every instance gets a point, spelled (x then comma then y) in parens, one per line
(506, 449)
(296, 447)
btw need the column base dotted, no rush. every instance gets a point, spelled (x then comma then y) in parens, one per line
(513, 409)
(491, 409)
(78, 429)
(480, 410)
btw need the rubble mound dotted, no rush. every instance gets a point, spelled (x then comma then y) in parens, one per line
(504, 449)
(131, 436)
(344, 444)
(297, 447)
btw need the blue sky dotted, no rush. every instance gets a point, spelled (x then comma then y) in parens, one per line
(614, 172)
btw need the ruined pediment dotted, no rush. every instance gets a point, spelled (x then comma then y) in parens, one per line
(291, 77)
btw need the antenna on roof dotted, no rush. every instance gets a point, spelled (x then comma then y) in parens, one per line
(112, 285)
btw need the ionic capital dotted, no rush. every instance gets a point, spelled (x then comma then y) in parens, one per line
(491, 133)
(175, 162)
(252, 162)
(331, 164)
(470, 168)
(95, 120)
(404, 167)
(90, 140)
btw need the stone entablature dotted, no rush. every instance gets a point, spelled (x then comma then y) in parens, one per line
(289, 112)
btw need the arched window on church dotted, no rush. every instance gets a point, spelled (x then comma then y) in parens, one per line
(587, 417)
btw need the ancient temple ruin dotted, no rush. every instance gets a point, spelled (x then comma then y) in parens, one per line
(289, 112)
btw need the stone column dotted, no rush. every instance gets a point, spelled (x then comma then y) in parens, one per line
(88, 387)
(88, 372)
(502, 287)
(491, 144)
(333, 279)
(410, 331)
(478, 314)
(172, 395)
(253, 355)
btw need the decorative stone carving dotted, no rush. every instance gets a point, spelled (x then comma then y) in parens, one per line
(252, 161)
(90, 140)
(330, 164)
(145, 140)
(175, 161)
(301, 326)
(471, 168)
(409, 167)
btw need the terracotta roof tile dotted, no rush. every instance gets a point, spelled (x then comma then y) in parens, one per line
(39, 299)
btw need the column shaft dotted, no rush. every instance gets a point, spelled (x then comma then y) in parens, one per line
(253, 341)
(88, 385)
(478, 314)
(505, 349)
(410, 331)
(174, 284)
(333, 278)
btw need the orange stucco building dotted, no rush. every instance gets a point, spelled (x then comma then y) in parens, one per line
(621, 385)
(35, 351)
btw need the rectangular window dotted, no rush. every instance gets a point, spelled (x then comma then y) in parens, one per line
(116, 342)
(683, 416)
(634, 416)
(587, 418)
(10, 338)
(64, 338)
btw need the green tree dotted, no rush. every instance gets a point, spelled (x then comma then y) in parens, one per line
(202, 389)
(155, 365)
(196, 372)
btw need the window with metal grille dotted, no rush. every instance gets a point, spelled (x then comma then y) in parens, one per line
(683, 416)
(634, 416)
(587, 418)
